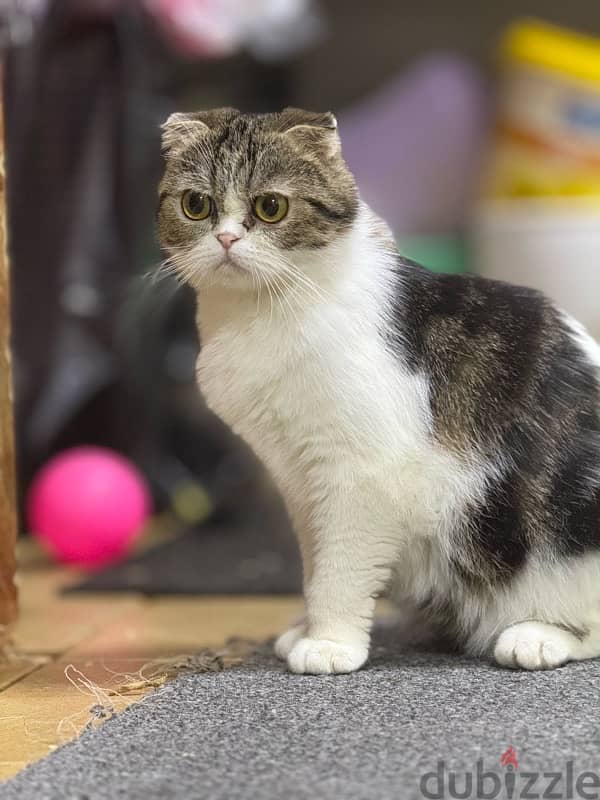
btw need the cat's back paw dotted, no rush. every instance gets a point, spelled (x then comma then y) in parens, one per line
(535, 645)
(285, 643)
(323, 656)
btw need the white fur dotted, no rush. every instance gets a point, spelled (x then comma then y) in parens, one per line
(583, 339)
(535, 645)
(306, 379)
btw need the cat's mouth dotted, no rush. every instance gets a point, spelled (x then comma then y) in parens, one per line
(228, 262)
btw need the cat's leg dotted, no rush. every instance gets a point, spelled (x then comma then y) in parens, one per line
(535, 645)
(284, 644)
(541, 645)
(351, 564)
(563, 624)
(548, 615)
(300, 519)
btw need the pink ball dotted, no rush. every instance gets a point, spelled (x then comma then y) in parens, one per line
(88, 505)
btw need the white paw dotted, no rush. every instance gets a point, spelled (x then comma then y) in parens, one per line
(535, 645)
(322, 656)
(287, 640)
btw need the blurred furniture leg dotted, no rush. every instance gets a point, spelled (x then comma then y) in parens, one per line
(8, 524)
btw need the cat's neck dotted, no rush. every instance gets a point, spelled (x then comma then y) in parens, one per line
(351, 275)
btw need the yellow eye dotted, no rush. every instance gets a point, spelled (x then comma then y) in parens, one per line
(271, 207)
(196, 205)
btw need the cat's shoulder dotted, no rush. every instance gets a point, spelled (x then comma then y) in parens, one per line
(445, 311)
(445, 321)
(464, 294)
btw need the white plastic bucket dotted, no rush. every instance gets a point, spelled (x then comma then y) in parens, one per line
(552, 247)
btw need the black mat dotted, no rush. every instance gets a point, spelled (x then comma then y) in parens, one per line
(218, 558)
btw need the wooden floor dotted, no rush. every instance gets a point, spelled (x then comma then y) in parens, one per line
(73, 653)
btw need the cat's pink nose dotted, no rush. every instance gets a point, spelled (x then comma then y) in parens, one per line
(227, 239)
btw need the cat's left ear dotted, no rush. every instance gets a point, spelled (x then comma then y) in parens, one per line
(311, 130)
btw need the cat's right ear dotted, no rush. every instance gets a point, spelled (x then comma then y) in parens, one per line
(180, 130)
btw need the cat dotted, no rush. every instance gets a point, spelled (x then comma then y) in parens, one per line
(434, 436)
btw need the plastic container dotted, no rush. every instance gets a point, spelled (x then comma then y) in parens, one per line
(538, 222)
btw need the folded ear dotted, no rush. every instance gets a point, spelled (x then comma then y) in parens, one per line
(182, 129)
(312, 130)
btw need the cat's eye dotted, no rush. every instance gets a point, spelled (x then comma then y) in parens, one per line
(196, 205)
(271, 207)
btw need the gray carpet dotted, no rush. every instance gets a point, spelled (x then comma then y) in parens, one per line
(257, 732)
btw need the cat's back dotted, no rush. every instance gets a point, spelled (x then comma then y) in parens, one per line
(498, 357)
(454, 315)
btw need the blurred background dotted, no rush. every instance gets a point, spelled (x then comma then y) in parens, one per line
(473, 128)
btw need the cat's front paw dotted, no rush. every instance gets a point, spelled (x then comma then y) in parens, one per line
(285, 643)
(323, 656)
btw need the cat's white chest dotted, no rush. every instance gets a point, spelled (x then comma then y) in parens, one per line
(282, 394)
(320, 408)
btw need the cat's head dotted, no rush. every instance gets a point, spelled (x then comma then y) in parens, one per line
(244, 197)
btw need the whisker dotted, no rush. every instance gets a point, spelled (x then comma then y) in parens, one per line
(284, 296)
(282, 264)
